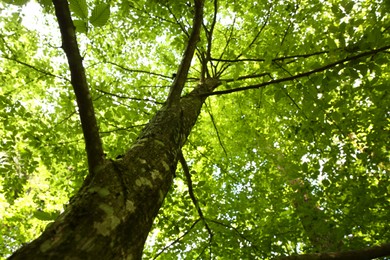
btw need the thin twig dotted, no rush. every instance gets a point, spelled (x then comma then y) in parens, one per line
(253, 246)
(177, 240)
(191, 191)
(216, 130)
(139, 71)
(35, 68)
(276, 59)
(130, 98)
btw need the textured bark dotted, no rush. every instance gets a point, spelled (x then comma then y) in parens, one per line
(111, 216)
(86, 111)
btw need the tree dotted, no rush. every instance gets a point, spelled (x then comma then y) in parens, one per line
(286, 103)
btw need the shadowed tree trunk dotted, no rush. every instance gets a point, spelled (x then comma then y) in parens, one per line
(111, 215)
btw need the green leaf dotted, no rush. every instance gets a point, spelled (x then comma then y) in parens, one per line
(201, 183)
(16, 2)
(79, 8)
(279, 94)
(45, 3)
(47, 216)
(81, 26)
(100, 15)
(325, 182)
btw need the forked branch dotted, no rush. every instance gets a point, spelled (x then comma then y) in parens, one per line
(301, 75)
(80, 86)
(191, 191)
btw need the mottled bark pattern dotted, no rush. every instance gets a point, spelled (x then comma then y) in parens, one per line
(111, 215)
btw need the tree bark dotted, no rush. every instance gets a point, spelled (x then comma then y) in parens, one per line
(111, 215)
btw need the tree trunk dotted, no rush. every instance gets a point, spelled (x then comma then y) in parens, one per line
(112, 213)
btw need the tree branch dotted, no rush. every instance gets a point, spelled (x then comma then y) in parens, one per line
(360, 254)
(182, 27)
(177, 240)
(301, 75)
(216, 130)
(182, 72)
(191, 191)
(93, 142)
(34, 68)
(130, 98)
(139, 71)
(209, 36)
(253, 76)
(276, 59)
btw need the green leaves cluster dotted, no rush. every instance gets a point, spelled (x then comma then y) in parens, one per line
(295, 167)
(98, 17)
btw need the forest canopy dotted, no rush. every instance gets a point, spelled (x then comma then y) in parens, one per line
(289, 154)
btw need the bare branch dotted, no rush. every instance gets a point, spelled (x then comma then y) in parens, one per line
(93, 142)
(301, 75)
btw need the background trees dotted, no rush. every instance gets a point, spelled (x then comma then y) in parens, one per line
(289, 154)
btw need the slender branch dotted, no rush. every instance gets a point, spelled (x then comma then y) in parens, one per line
(230, 227)
(93, 142)
(253, 76)
(276, 59)
(359, 254)
(258, 33)
(177, 239)
(217, 132)
(191, 191)
(226, 66)
(182, 72)
(183, 29)
(139, 71)
(34, 68)
(122, 129)
(301, 75)
(209, 34)
(130, 98)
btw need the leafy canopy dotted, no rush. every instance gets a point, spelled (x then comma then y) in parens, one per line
(300, 165)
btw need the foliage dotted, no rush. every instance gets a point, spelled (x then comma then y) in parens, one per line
(298, 166)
